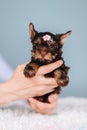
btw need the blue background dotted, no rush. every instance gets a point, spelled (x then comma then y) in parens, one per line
(57, 16)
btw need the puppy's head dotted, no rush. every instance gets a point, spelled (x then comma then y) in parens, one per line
(46, 46)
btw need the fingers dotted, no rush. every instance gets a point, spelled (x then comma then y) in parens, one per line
(53, 98)
(48, 68)
(46, 81)
(33, 103)
(44, 108)
(44, 90)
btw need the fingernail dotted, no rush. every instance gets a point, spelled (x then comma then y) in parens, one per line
(52, 98)
(60, 62)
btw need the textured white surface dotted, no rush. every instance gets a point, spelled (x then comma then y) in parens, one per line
(71, 114)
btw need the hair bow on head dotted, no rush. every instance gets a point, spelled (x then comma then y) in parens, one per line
(46, 37)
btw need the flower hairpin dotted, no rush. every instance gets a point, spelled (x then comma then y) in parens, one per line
(46, 37)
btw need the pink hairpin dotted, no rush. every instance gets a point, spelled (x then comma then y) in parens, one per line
(46, 37)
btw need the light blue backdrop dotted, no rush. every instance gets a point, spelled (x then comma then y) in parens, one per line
(56, 16)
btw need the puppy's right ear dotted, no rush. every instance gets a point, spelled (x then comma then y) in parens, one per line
(32, 31)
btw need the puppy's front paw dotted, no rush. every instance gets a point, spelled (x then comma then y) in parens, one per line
(63, 82)
(29, 71)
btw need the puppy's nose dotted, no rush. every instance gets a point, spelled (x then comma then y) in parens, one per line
(43, 52)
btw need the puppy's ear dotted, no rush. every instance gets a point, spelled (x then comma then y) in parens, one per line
(64, 36)
(32, 31)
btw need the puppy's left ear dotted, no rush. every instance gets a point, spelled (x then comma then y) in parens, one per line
(64, 36)
(32, 31)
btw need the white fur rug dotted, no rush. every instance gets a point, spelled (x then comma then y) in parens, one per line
(71, 114)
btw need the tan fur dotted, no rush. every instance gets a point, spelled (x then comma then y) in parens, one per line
(37, 55)
(46, 51)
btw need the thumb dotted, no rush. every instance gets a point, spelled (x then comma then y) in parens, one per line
(50, 67)
(52, 98)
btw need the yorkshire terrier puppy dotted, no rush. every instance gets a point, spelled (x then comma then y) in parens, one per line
(47, 48)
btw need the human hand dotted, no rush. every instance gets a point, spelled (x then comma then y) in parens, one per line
(19, 87)
(44, 108)
(35, 86)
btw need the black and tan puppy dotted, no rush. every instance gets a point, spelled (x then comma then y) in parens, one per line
(47, 48)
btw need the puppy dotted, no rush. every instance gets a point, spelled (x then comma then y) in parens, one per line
(47, 48)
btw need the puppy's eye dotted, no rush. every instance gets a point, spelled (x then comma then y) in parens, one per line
(38, 46)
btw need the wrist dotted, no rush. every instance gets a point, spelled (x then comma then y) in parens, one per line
(6, 95)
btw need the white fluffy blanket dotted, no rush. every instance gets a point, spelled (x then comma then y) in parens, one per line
(71, 114)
